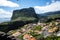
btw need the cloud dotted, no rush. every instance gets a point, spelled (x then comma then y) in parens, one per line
(5, 14)
(55, 6)
(8, 3)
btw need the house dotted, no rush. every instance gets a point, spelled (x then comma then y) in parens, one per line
(34, 24)
(56, 23)
(33, 38)
(39, 32)
(23, 29)
(45, 28)
(53, 30)
(50, 31)
(27, 37)
(16, 34)
(50, 24)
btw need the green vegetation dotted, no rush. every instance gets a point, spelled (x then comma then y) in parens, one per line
(53, 38)
(36, 35)
(20, 37)
(24, 19)
(37, 28)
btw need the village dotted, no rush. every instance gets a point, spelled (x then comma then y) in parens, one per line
(34, 30)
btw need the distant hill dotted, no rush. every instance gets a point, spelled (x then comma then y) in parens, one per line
(49, 16)
(52, 13)
(4, 20)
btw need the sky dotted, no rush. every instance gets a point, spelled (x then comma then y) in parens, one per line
(40, 6)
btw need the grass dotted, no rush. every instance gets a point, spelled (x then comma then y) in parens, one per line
(37, 28)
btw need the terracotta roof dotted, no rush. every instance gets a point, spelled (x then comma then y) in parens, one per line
(50, 31)
(33, 38)
(27, 36)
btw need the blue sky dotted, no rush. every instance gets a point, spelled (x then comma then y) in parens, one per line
(26, 3)
(40, 6)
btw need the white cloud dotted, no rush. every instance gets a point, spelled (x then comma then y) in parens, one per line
(8, 3)
(55, 6)
(5, 14)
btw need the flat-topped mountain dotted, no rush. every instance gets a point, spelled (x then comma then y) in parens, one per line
(24, 14)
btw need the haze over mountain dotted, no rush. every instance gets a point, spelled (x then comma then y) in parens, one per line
(4, 19)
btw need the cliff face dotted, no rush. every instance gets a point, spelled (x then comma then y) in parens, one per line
(26, 12)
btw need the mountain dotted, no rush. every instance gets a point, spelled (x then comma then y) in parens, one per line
(19, 19)
(24, 13)
(49, 16)
(52, 13)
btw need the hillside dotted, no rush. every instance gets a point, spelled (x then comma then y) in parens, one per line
(19, 18)
(49, 16)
